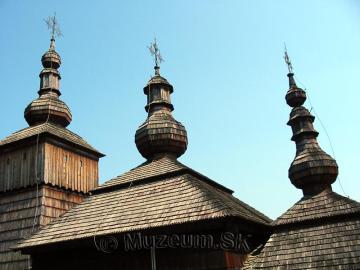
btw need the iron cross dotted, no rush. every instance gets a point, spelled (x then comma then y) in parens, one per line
(154, 50)
(53, 26)
(287, 61)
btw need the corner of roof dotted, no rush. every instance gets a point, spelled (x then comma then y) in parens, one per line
(51, 129)
(233, 206)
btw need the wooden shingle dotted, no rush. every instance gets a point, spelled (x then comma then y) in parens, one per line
(48, 128)
(165, 201)
(319, 232)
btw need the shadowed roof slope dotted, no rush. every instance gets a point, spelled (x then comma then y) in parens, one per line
(165, 201)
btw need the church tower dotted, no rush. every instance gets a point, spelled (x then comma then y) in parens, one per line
(45, 169)
(322, 229)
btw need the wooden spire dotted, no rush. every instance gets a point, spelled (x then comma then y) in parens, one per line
(160, 134)
(312, 170)
(48, 107)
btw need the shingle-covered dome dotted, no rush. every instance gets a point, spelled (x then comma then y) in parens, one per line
(160, 133)
(312, 170)
(48, 107)
(295, 96)
(51, 59)
(159, 80)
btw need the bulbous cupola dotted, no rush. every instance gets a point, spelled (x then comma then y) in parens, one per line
(160, 134)
(312, 170)
(48, 107)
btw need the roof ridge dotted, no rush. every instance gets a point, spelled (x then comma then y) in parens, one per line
(222, 198)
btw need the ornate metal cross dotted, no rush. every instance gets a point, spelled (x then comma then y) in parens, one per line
(154, 50)
(287, 61)
(53, 26)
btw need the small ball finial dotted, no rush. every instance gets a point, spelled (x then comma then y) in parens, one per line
(295, 96)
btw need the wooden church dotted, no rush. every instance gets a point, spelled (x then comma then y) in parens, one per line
(45, 169)
(49, 176)
(54, 215)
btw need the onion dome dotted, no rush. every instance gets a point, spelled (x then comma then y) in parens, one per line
(295, 96)
(160, 134)
(312, 170)
(48, 107)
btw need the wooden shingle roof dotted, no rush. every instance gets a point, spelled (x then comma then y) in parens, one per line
(166, 201)
(323, 205)
(162, 167)
(146, 170)
(49, 128)
(328, 246)
(319, 232)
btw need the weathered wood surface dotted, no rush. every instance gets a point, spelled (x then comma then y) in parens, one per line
(319, 232)
(18, 167)
(69, 170)
(162, 167)
(48, 128)
(165, 202)
(17, 218)
(322, 206)
(326, 246)
(23, 212)
(54, 165)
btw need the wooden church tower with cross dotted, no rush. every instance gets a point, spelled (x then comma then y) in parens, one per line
(159, 197)
(45, 169)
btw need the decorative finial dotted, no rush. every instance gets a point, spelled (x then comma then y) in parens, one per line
(312, 170)
(287, 60)
(155, 52)
(54, 28)
(160, 135)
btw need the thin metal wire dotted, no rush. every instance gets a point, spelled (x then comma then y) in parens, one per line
(58, 32)
(36, 158)
(324, 128)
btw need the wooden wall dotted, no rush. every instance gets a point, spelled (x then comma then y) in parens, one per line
(54, 165)
(64, 168)
(23, 212)
(17, 217)
(17, 167)
(64, 175)
(56, 202)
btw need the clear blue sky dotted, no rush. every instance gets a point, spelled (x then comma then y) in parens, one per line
(224, 59)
